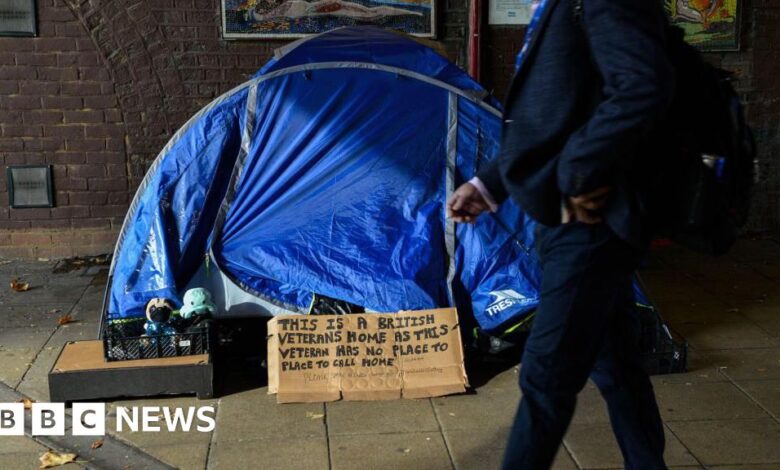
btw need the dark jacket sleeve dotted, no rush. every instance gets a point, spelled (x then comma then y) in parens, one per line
(627, 42)
(490, 175)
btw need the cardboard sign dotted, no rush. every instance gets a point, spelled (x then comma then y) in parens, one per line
(379, 356)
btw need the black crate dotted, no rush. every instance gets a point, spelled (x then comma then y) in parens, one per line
(125, 341)
(662, 353)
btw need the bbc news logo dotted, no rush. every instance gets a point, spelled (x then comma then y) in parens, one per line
(89, 419)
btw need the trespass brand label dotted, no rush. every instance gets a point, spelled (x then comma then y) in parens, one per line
(503, 299)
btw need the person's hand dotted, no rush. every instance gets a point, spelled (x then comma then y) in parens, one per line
(586, 208)
(465, 204)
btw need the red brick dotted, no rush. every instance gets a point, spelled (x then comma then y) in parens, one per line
(61, 102)
(57, 73)
(104, 223)
(14, 252)
(115, 144)
(22, 131)
(21, 102)
(86, 171)
(87, 198)
(108, 211)
(118, 198)
(105, 130)
(70, 30)
(54, 44)
(9, 87)
(10, 144)
(16, 44)
(80, 88)
(40, 88)
(86, 117)
(66, 158)
(48, 144)
(100, 102)
(70, 131)
(70, 212)
(42, 117)
(89, 59)
(33, 58)
(30, 214)
(30, 238)
(71, 184)
(94, 74)
(107, 184)
(103, 157)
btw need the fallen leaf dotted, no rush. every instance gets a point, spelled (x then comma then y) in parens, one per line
(97, 444)
(54, 311)
(19, 286)
(311, 415)
(65, 319)
(53, 459)
(27, 403)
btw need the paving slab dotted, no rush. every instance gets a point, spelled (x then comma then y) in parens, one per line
(25, 461)
(57, 293)
(182, 456)
(255, 415)
(164, 437)
(484, 409)
(19, 445)
(28, 338)
(389, 452)
(701, 401)
(700, 310)
(284, 453)
(591, 407)
(756, 364)
(485, 450)
(36, 381)
(594, 446)
(27, 316)
(372, 417)
(731, 335)
(731, 441)
(14, 363)
(701, 368)
(765, 392)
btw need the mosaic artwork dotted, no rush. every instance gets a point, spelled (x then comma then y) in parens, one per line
(708, 24)
(298, 18)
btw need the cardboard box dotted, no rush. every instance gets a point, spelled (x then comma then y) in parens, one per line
(314, 358)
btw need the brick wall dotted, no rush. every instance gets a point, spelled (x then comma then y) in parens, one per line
(101, 90)
(757, 70)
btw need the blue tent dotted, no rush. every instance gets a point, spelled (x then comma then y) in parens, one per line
(328, 173)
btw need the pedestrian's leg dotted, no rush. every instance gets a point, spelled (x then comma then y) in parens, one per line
(624, 384)
(581, 266)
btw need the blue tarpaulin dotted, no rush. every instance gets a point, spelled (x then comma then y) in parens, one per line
(327, 173)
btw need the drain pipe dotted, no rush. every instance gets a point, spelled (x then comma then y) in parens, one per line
(475, 31)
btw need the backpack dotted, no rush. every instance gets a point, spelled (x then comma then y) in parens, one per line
(694, 179)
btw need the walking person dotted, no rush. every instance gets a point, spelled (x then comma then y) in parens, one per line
(591, 81)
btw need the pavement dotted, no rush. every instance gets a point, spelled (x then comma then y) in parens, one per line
(724, 413)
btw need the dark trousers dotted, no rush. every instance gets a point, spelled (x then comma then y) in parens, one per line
(584, 327)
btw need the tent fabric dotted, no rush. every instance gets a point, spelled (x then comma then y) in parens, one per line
(327, 173)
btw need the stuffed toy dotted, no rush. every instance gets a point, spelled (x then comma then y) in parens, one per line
(197, 302)
(158, 313)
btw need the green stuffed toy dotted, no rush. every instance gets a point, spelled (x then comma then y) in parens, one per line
(197, 301)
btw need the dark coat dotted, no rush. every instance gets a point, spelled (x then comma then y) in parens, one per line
(580, 108)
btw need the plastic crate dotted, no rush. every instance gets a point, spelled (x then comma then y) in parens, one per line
(661, 352)
(126, 341)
